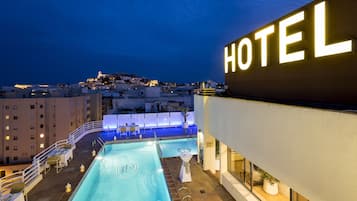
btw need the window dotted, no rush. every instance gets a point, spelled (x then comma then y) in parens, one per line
(41, 106)
(15, 159)
(255, 179)
(31, 128)
(14, 107)
(7, 137)
(7, 148)
(7, 128)
(32, 147)
(32, 107)
(15, 148)
(42, 145)
(2, 173)
(41, 126)
(32, 137)
(298, 197)
(41, 116)
(15, 138)
(236, 165)
(42, 135)
(7, 117)
(15, 117)
(7, 107)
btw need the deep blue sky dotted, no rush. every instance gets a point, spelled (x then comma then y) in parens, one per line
(66, 41)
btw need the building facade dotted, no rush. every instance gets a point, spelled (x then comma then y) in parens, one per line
(287, 131)
(28, 125)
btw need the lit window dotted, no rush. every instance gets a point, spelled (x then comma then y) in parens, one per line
(42, 135)
(7, 128)
(42, 145)
(7, 117)
(7, 137)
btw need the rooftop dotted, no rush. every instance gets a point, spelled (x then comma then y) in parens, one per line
(204, 186)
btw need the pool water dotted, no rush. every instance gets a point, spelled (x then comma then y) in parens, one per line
(173, 148)
(130, 172)
(125, 172)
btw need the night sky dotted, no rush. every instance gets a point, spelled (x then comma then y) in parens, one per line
(66, 41)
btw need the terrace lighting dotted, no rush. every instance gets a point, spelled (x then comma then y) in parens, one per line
(68, 188)
(82, 168)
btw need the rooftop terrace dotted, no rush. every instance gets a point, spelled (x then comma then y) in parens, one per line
(204, 186)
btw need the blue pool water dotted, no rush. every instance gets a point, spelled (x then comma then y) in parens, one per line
(130, 171)
(125, 172)
(173, 148)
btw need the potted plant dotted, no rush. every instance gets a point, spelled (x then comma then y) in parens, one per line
(17, 187)
(270, 184)
(185, 114)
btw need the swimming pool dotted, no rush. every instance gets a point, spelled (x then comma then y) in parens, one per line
(125, 172)
(130, 171)
(173, 148)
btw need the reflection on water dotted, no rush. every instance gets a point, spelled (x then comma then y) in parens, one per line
(121, 166)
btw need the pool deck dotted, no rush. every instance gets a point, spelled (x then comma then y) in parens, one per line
(52, 187)
(204, 186)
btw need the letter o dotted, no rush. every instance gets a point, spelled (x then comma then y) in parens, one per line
(248, 43)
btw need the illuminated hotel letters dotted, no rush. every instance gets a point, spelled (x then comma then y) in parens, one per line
(263, 35)
(285, 40)
(230, 58)
(320, 47)
(245, 42)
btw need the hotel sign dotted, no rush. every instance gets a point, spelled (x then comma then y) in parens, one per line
(306, 56)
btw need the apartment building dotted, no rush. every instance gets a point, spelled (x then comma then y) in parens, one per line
(28, 125)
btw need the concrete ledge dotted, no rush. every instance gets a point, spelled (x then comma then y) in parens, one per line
(236, 189)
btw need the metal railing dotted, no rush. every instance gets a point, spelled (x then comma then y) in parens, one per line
(38, 163)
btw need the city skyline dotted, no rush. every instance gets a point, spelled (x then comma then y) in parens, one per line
(50, 42)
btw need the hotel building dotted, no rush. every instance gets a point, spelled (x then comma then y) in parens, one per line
(288, 131)
(28, 125)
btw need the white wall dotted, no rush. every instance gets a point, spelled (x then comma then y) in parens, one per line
(313, 151)
(147, 120)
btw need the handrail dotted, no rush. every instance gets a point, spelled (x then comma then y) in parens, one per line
(34, 170)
